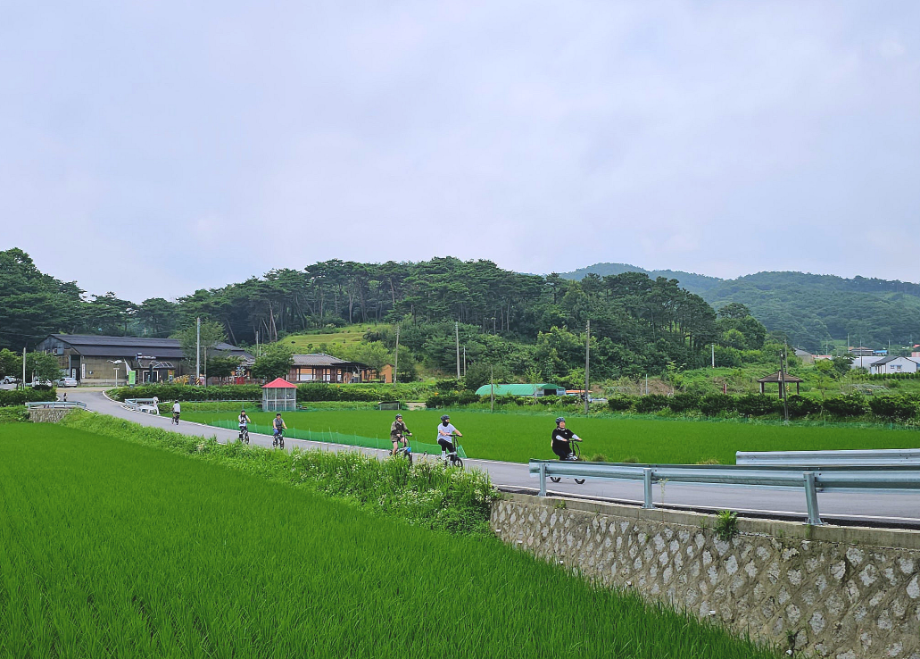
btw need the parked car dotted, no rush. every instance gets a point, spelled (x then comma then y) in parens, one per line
(67, 382)
(40, 383)
(9, 379)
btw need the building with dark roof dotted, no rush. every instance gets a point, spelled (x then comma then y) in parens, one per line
(893, 364)
(320, 367)
(104, 360)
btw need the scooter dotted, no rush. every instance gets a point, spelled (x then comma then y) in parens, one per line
(574, 456)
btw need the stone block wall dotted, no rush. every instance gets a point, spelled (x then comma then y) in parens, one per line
(842, 592)
(50, 415)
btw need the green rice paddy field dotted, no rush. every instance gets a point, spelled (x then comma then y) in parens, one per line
(520, 437)
(112, 549)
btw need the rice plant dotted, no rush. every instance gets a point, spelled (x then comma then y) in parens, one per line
(115, 549)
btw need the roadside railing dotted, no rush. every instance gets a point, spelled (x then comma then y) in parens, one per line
(859, 458)
(56, 405)
(898, 479)
(146, 405)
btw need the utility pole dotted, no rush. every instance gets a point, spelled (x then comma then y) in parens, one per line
(492, 386)
(23, 368)
(457, 336)
(713, 355)
(396, 359)
(197, 350)
(464, 361)
(587, 365)
(257, 343)
(782, 384)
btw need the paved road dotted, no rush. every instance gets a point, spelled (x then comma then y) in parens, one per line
(885, 509)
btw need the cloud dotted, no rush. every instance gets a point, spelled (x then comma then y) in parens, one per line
(239, 138)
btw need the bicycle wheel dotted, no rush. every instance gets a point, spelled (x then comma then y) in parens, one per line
(457, 463)
(274, 442)
(580, 481)
(281, 442)
(555, 479)
(409, 457)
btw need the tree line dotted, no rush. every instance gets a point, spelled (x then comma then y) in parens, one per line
(526, 325)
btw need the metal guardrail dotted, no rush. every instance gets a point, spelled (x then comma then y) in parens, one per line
(147, 405)
(903, 478)
(56, 405)
(860, 458)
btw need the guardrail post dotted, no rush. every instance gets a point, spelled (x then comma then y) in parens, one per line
(811, 499)
(647, 486)
(542, 479)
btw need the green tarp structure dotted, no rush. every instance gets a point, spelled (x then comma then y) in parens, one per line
(544, 389)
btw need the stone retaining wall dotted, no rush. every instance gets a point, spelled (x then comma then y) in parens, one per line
(47, 415)
(843, 592)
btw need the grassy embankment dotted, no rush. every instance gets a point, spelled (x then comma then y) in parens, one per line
(113, 549)
(308, 343)
(520, 437)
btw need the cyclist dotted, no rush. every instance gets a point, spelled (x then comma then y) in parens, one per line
(176, 410)
(398, 433)
(561, 438)
(244, 422)
(446, 433)
(279, 424)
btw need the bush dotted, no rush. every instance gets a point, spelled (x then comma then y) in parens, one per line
(849, 405)
(716, 404)
(620, 403)
(893, 407)
(684, 403)
(27, 395)
(800, 406)
(757, 405)
(651, 403)
(189, 392)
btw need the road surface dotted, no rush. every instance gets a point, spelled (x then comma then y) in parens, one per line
(861, 508)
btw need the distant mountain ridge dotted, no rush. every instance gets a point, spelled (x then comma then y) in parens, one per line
(809, 308)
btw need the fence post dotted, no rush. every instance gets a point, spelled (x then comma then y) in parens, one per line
(811, 499)
(647, 486)
(542, 479)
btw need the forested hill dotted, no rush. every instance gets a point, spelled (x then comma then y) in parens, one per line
(813, 308)
(692, 282)
(809, 308)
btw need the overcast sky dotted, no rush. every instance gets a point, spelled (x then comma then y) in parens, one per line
(156, 147)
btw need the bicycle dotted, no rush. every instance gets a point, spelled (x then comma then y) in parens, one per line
(244, 434)
(404, 450)
(574, 456)
(451, 459)
(278, 438)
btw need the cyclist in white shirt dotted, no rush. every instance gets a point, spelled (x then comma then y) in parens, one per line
(176, 411)
(446, 433)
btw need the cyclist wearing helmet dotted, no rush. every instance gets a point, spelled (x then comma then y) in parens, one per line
(561, 438)
(398, 433)
(446, 432)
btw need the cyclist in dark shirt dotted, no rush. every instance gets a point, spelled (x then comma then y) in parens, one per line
(398, 433)
(561, 438)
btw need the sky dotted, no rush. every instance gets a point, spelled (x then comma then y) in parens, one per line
(155, 148)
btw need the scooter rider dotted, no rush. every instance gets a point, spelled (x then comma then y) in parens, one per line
(244, 422)
(398, 433)
(561, 438)
(446, 433)
(279, 424)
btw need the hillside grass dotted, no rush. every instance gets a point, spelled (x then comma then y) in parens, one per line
(113, 549)
(518, 437)
(310, 343)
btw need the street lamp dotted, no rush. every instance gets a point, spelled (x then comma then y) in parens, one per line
(116, 362)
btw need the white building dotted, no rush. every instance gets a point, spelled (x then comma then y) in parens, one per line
(888, 365)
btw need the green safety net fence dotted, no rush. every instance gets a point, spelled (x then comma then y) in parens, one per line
(332, 437)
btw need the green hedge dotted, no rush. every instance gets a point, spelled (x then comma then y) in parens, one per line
(27, 395)
(313, 392)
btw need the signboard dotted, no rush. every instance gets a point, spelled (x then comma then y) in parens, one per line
(132, 378)
(140, 356)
